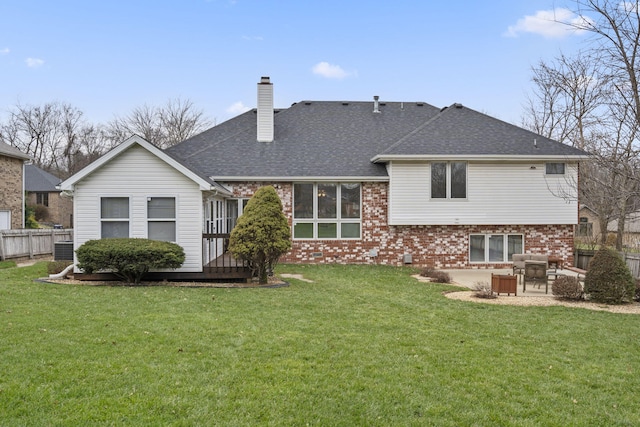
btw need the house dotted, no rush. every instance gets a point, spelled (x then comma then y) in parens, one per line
(360, 182)
(12, 164)
(50, 204)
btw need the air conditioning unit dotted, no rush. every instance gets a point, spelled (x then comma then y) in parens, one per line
(63, 250)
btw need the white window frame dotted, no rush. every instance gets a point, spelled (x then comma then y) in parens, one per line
(548, 168)
(448, 184)
(107, 219)
(174, 220)
(338, 220)
(505, 246)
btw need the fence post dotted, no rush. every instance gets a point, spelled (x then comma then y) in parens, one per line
(2, 251)
(30, 240)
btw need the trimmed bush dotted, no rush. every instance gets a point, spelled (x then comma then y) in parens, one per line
(567, 287)
(440, 277)
(427, 271)
(128, 259)
(262, 234)
(608, 279)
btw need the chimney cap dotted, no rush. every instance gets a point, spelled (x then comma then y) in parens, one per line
(265, 80)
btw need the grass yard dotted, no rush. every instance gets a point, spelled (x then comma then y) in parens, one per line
(361, 345)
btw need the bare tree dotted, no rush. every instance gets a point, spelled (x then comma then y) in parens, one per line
(163, 126)
(592, 101)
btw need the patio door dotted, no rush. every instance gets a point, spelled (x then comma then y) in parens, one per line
(214, 225)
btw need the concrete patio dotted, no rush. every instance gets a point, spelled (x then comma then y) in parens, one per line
(470, 277)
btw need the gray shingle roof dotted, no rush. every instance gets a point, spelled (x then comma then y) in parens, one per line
(339, 139)
(460, 131)
(38, 180)
(10, 151)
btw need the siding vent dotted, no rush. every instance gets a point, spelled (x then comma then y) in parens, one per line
(407, 258)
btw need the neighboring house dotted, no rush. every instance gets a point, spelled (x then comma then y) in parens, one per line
(588, 227)
(360, 182)
(12, 164)
(631, 236)
(51, 206)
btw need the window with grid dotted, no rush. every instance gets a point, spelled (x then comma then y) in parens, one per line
(327, 211)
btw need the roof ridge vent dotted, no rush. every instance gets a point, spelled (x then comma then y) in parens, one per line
(457, 105)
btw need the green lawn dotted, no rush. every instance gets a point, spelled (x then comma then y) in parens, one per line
(361, 346)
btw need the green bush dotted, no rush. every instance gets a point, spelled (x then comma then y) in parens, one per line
(262, 234)
(608, 279)
(129, 259)
(55, 267)
(567, 287)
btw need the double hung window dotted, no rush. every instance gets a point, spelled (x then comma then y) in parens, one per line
(554, 168)
(448, 180)
(494, 248)
(161, 218)
(114, 217)
(326, 211)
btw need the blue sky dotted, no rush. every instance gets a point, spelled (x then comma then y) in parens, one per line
(109, 57)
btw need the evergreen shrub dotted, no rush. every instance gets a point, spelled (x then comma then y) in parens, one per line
(608, 279)
(127, 258)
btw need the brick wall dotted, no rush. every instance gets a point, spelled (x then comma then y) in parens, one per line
(60, 209)
(439, 246)
(11, 188)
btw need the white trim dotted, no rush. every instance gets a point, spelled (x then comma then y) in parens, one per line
(380, 158)
(301, 178)
(70, 182)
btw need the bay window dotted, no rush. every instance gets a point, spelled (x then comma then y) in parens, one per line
(326, 211)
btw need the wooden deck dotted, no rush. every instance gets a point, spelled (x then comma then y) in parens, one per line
(222, 267)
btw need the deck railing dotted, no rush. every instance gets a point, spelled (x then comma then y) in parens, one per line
(217, 257)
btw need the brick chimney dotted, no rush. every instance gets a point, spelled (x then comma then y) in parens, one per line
(265, 110)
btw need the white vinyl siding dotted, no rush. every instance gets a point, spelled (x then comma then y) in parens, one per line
(497, 194)
(138, 175)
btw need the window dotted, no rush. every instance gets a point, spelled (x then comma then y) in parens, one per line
(326, 211)
(42, 199)
(161, 218)
(449, 180)
(114, 217)
(585, 228)
(554, 168)
(494, 248)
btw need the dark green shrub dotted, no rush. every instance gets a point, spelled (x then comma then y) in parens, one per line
(55, 267)
(128, 259)
(637, 298)
(567, 287)
(608, 279)
(262, 233)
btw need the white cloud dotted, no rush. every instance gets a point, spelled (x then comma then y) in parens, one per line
(34, 62)
(238, 108)
(4, 51)
(556, 23)
(331, 71)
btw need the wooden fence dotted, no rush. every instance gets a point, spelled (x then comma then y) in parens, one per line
(31, 243)
(632, 259)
